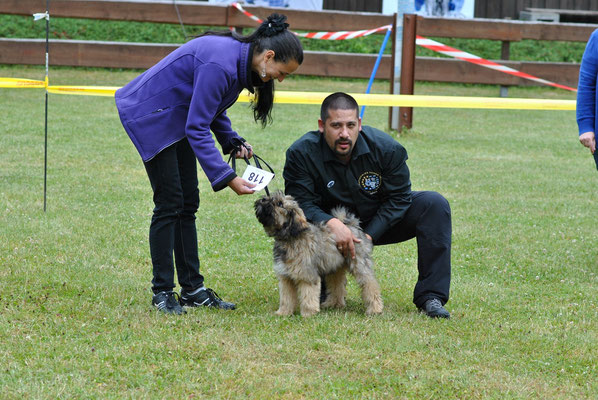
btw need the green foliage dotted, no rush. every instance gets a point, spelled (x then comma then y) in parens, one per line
(75, 316)
(84, 29)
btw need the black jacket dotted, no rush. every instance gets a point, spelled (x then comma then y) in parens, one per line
(374, 185)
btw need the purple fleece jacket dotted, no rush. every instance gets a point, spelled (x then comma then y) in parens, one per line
(186, 94)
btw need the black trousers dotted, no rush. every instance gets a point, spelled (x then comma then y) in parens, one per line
(428, 220)
(173, 176)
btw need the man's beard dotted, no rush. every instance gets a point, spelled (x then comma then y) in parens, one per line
(343, 141)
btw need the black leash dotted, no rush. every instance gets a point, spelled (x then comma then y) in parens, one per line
(238, 145)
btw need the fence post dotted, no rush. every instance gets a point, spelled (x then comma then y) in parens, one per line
(407, 68)
(504, 55)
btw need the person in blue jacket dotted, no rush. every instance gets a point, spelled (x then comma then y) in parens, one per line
(169, 112)
(587, 104)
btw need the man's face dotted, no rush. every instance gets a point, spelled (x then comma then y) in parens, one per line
(341, 130)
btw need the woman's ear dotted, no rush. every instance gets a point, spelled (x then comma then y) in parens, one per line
(269, 55)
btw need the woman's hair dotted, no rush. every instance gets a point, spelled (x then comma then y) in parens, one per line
(272, 34)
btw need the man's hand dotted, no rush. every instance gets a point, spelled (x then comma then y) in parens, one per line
(588, 139)
(240, 186)
(345, 241)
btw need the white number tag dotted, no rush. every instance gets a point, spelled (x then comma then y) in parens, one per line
(258, 176)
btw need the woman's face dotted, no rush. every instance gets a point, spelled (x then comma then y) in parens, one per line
(267, 68)
(278, 70)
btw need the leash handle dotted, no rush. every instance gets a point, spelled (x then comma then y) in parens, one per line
(238, 145)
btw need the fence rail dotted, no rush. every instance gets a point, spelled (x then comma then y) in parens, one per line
(137, 55)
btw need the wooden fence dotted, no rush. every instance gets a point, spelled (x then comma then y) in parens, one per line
(138, 55)
(511, 8)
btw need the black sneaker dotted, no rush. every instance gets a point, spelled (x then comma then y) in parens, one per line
(433, 308)
(168, 302)
(205, 298)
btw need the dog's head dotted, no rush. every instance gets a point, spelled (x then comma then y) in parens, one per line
(281, 216)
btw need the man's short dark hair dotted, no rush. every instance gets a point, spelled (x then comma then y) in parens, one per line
(337, 101)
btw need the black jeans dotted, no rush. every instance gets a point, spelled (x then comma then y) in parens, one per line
(428, 219)
(173, 176)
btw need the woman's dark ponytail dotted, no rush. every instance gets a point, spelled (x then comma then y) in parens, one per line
(273, 34)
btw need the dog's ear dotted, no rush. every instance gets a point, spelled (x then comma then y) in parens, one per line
(293, 227)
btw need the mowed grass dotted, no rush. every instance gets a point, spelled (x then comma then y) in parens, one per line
(75, 314)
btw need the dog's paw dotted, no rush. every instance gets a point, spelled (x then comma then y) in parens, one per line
(333, 303)
(283, 312)
(308, 313)
(374, 309)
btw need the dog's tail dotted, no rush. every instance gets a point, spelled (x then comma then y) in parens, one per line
(345, 216)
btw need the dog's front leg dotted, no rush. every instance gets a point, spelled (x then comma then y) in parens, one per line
(288, 296)
(309, 298)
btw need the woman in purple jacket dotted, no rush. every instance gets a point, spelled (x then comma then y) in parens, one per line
(169, 111)
(587, 104)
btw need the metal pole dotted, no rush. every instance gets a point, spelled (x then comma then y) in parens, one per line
(504, 55)
(46, 111)
(376, 65)
(396, 83)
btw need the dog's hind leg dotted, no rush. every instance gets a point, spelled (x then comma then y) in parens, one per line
(336, 285)
(370, 290)
(309, 298)
(287, 292)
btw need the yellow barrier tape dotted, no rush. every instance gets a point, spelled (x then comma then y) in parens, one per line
(107, 91)
(20, 83)
(389, 100)
(383, 100)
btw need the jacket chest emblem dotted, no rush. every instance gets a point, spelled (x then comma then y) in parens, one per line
(370, 182)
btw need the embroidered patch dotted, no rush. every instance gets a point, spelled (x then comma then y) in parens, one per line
(370, 182)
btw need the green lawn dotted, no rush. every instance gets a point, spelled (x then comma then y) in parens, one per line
(75, 316)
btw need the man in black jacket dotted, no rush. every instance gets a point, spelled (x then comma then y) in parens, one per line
(365, 170)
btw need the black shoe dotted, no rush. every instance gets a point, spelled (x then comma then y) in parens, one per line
(205, 298)
(433, 308)
(168, 303)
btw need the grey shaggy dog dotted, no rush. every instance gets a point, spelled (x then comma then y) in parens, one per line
(303, 252)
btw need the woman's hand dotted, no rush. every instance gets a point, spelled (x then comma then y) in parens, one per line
(240, 186)
(245, 152)
(588, 139)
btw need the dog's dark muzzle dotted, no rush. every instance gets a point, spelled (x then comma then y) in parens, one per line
(264, 211)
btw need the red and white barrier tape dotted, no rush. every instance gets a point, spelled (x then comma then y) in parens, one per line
(248, 14)
(420, 41)
(461, 55)
(341, 35)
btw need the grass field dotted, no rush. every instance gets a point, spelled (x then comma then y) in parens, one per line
(76, 320)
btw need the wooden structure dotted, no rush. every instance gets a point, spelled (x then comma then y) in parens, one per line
(511, 8)
(143, 55)
(353, 5)
(506, 32)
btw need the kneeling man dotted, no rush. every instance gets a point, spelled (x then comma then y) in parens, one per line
(365, 170)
